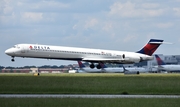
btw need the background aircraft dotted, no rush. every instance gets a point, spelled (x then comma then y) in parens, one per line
(164, 67)
(106, 69)
(137, 70)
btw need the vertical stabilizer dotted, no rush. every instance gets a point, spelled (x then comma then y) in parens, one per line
(159, 60)
(81, 65)
(150, 47)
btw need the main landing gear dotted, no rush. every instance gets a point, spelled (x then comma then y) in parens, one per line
(93, 66)
(12, 59)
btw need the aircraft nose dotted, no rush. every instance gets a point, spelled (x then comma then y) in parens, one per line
(9, 52)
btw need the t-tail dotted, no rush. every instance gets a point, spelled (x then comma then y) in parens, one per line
(159, 60)
(151, 47)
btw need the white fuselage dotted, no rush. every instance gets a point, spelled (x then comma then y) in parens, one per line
(89, 70)
(103, 70)
(137, 69)
(72, 53)
(174, 68)
(113, 70)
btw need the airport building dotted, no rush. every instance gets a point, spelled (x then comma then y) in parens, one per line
(36, 70)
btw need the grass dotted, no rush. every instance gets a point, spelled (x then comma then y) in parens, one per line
(88, 102)
(90, 84)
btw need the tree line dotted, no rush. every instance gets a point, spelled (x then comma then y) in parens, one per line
(43, 66)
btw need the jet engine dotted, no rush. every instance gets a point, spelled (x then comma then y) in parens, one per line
(132, 59)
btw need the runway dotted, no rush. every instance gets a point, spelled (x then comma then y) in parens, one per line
(83, 96)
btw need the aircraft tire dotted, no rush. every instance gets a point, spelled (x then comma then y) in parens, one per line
(98, 66)
(92, 66)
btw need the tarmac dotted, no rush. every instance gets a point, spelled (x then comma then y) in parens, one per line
(83, 96)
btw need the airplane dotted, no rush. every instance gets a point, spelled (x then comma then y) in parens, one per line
(164, 67)
(84, 54)
(122, 69)
(137, 70)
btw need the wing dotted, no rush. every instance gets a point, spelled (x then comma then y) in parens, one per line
(104, 60)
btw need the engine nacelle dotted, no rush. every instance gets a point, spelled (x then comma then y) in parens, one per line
(147, 58)
(132, 59)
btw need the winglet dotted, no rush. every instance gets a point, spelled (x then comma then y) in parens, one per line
(151, 47)
(159, 60)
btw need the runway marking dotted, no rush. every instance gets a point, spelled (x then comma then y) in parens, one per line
(83, 96)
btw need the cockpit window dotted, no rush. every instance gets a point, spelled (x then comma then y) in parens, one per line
(15, 46)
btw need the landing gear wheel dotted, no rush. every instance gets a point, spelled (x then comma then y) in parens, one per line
(12, 60)
(98, 66)
(92, 66)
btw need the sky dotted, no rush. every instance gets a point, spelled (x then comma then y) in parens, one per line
(103, 24)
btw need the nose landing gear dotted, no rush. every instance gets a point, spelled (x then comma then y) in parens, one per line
(12, 59)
